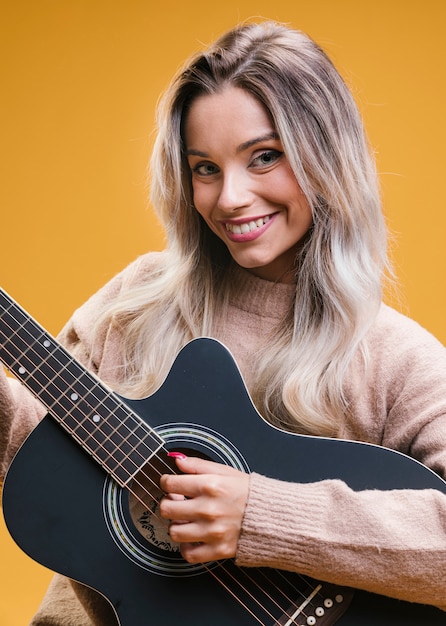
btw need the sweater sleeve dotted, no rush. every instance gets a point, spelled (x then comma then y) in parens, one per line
(391, 543)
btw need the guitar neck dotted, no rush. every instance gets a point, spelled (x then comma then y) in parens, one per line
(105, 427)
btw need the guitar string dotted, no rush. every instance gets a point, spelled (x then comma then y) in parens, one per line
(40, 358)
(286, 580)
(291, 602)
(43, 333)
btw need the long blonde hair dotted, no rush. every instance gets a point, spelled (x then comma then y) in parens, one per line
(300, 375)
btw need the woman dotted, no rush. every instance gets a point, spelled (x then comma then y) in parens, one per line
(265, 185)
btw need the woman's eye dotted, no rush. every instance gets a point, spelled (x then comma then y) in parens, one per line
(266, 158)
(205, 169)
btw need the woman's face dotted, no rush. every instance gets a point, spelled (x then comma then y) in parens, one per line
(243, 185)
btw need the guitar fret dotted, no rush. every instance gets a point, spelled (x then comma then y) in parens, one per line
(104, 426)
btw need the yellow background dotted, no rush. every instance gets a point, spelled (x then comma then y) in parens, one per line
(80, 80)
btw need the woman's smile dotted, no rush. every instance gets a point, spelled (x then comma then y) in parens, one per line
(243, 185)
(243, 230)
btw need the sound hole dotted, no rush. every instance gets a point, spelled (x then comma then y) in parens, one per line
(133, 518)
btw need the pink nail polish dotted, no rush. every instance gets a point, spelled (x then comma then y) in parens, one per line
(177, 455)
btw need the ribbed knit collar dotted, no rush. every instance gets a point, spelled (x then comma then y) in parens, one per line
(260, 297)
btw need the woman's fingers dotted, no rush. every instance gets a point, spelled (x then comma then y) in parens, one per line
(205, 506)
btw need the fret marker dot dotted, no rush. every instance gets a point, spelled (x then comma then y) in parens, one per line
(22, 370)
(46, 343)
(74, 397)
(96, 419)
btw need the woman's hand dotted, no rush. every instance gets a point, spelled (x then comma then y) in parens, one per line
(205, 506)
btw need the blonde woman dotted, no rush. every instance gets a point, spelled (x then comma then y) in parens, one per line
(276, 246)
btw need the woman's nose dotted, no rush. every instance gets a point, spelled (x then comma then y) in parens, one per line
(235, 191)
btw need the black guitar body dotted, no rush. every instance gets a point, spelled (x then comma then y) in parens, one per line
(63, 510)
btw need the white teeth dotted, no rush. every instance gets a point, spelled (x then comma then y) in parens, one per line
(247, 227)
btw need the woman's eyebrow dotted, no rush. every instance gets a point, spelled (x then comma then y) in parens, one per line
(252, 142)
(243, 146)
(198, 153)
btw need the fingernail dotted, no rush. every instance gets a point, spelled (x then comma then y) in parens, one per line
(177, 455)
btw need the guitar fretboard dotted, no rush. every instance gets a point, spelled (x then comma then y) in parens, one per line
(96, 417)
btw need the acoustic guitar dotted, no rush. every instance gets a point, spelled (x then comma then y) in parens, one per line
(81, 496)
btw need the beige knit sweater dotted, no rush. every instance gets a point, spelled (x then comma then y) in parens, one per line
(392, 542)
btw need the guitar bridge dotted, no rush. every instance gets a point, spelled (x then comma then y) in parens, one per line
(323, 606)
